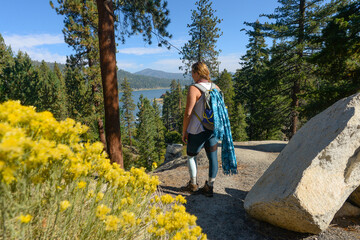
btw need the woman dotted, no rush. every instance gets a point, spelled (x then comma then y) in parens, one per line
(195, 135)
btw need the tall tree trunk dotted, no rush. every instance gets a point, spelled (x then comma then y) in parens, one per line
(297, 81)
(95, 88)
(109, 80)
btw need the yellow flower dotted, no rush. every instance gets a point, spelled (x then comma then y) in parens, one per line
(177, 236)
(128, 218)
(160, 232)
(166, 199)
(2, 164)
(129, 200)
(112, 223)
(64, 205)
(90, 194)
(25, 219)
(99, 196)
(81, 185)
(153, 212)
(180, 199)
(154, 165)
(8, 175)
(196, 231)
(101, 211)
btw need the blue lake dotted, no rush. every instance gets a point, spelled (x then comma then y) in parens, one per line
(150, 94)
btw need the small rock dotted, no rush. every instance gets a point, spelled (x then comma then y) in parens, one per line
(173, 151)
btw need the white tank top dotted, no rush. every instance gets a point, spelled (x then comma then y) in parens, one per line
(195, 125)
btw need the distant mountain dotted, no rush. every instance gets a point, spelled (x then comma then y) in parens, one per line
(137, 81)
(161, 74)
(141, 81)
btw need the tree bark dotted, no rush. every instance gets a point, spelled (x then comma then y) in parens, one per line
(109, 80)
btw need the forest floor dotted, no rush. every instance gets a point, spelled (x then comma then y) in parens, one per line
(223, 216)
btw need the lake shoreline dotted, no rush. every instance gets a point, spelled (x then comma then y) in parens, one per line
(146, 89)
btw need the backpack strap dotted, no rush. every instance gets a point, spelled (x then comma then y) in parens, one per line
(200, 87)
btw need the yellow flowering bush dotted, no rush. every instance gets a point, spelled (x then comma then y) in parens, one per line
(69, 189)
(25, 219)
(64, 205)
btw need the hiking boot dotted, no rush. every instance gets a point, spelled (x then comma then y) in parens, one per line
(190, 187)
(207, 190)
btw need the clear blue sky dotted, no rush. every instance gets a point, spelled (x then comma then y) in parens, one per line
(34, 27)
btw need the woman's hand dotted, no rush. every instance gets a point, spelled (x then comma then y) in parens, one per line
(185, 137)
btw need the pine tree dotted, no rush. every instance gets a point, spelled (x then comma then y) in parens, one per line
(39, 87)
(225, 83)
(61, 93)
(238, 123)
(337, 69)
(6, 60)
(166, 111)
(234, 107)
(49, 91)
(80, 32)
(160, 132)
(252, 88)
(146, 133)
(20, 80)
(78, 93)
(173, 107)
(128, 108)
(204, 34)
(294, 23)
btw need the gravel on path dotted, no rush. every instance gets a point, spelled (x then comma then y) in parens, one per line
(223, 216)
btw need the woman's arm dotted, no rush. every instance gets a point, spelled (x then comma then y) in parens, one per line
(193, 95)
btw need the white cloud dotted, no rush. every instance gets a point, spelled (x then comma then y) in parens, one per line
(44, 54)
(124, 65)
(168, 65)
(230, 62)
(27, 41)
(142, 51)
(31, 45)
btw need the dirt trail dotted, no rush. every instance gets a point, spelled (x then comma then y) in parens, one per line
(223, 216)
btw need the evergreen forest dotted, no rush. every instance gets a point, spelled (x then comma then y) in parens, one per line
(303, 58)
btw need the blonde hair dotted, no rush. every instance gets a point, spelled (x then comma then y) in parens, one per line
(201, 69)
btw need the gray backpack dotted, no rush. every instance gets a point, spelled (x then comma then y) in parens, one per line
(207, 119)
